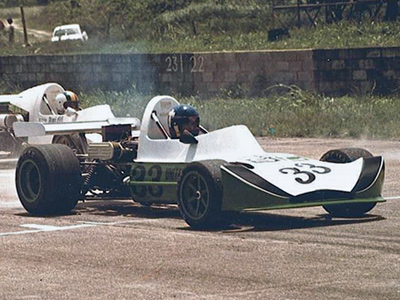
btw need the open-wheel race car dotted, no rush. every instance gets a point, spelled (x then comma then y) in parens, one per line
(49, 103)
(209, 176)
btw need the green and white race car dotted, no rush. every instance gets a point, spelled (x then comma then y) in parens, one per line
(209, 176)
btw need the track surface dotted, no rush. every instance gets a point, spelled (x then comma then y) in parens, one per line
(121, 250)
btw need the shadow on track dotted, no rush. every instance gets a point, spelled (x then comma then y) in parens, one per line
(274, 222)
(127, 209)
(117, 208)
(241, 222)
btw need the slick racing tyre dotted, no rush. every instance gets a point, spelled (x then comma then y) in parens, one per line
(342, 156)
(48, 179)
(200, 195)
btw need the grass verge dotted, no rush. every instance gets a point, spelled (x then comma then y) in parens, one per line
(289, 113)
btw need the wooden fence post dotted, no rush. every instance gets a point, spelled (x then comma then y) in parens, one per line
(26, 43)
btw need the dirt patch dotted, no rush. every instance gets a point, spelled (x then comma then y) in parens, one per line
(39, 35)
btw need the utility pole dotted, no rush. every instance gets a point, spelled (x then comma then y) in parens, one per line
(298, 14)
(26, 43)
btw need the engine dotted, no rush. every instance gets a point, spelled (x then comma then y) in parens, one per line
(106, 172)
(7, 120)
(114, 151)
(118, 145)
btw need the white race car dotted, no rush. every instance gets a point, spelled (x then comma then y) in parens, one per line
(208, 176)
(38, 104)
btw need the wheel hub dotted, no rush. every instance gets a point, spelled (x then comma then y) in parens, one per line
(198, 195)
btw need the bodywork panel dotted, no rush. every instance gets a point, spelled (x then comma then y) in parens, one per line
(245, 190)
(299, 175)
(155, 182)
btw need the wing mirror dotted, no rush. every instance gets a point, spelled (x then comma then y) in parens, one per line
(188, 138)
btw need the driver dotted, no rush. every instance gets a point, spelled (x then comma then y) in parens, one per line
(183, 118)
(67, 102)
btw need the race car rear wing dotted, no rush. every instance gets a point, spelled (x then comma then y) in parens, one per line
(29, 129)
(8, 98)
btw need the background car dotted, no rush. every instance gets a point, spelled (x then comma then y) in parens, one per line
(38, 104)
(71, 32)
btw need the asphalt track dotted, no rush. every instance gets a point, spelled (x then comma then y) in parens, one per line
(121, 250)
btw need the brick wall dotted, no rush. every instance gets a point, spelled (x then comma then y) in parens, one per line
(82, 72)
(358, 71)
(337, 71)
(253, 71)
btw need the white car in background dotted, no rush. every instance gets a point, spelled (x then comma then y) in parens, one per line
(71, 32)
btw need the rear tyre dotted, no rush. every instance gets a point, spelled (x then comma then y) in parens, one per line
(342, 156)
(48, 179)
(200, 195)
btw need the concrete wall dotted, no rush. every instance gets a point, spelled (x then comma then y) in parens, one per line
(338, 71)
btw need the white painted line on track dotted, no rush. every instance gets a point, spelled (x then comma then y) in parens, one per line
(54, 228)
(392, 198)
(114, 223)
(44, 228)
(48, 228)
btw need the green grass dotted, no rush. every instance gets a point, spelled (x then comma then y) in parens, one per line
(325, 37)
(289, 113)
(189, 26)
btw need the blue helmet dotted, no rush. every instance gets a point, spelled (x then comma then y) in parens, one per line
(181, 115)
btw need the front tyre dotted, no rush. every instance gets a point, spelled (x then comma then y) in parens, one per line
(342, 156)
(48, 179)
(200, 195)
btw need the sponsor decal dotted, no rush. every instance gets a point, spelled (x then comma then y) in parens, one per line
(52, 119)
(173, 174)
(272, 158)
